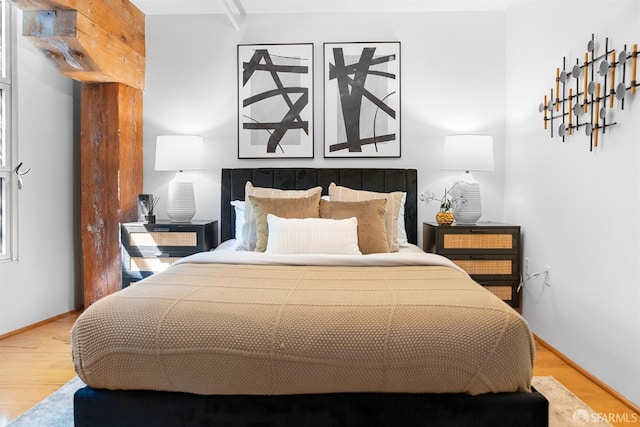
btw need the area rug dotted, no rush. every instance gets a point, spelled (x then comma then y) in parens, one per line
(565, 408)
(56, 410)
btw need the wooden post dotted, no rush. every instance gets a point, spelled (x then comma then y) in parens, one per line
(100, 43)
(111, 178)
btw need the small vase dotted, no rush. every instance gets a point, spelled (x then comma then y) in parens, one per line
(150, 219)
(444, 218)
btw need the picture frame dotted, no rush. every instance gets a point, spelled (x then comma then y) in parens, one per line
(144, 206)
(275, 101)
(362, 100)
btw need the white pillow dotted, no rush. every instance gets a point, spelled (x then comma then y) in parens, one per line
(312, 236)
(403, 241)
(238, 206)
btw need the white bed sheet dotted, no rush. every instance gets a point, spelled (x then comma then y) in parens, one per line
(233, 245)
(227, 253)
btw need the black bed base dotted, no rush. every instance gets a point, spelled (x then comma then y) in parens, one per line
(98, 408)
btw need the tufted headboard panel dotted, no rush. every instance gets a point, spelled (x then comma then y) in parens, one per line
(379, 180)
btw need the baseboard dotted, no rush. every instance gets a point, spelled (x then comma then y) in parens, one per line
(635, 408)
(40, 323)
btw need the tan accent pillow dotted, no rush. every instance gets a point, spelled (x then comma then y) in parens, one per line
(394, 202)
(372, 233)
(307, 207)
(249, 228)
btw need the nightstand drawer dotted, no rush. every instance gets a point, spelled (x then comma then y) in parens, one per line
(162, 238)
(505, 290)
(467, 239)
(499, 267)
(478, 241)
(149, 264)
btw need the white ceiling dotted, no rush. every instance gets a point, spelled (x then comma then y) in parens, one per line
(242, 7)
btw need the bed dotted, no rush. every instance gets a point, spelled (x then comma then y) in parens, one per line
(242, 338)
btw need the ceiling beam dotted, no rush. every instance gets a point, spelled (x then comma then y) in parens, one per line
(89, 41)
(234, 16)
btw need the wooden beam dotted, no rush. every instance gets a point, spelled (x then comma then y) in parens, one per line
(120, 18)
(82, 50)
(111, 179)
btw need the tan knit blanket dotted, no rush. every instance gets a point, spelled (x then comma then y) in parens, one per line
(219, 328)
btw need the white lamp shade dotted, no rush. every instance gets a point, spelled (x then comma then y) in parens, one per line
(179, 153)
(468, 153)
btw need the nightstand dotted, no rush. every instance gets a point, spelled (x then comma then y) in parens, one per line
(488, 251)
(149, 248)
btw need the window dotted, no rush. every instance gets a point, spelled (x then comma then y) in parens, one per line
(7, 146)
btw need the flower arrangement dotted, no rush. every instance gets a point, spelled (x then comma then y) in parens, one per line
(448, 200)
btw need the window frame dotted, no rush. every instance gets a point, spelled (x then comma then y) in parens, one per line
(9, 192)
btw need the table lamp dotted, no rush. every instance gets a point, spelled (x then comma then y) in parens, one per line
(180, 153)
(468, 153)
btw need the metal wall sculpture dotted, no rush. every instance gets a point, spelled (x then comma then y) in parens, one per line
(585, 96)
(275, 101)
(362, 99)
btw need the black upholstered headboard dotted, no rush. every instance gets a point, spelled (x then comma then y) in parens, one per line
(379, 180)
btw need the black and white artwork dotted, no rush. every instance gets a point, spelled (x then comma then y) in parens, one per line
(362, 99)
(275, 101)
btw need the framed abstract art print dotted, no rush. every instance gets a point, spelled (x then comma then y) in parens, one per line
(275, 101)
(362, 99)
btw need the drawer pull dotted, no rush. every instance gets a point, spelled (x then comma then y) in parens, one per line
(477, 257)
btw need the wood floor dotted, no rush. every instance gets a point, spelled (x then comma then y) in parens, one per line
(600, 400)
(36, 362)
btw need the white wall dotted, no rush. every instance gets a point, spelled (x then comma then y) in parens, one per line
(452, 82)
(576, 207)
(40, 284)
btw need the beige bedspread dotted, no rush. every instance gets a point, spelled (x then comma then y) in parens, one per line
(214, 327)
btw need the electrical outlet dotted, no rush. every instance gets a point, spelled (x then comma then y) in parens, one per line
(526, 266)
(547, 275)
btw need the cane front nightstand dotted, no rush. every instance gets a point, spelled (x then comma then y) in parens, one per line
(148, 248)
(488, 251)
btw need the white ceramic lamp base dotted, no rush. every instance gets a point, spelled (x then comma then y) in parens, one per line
(470, 210)
(182, 201)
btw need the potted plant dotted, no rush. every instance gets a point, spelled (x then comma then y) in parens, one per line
(444, 216)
